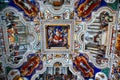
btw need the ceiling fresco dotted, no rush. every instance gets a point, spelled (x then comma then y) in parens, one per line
(59, 40)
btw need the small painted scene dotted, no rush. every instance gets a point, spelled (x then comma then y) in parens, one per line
(58, 36)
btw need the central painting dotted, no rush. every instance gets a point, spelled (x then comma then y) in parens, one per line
(57, 36)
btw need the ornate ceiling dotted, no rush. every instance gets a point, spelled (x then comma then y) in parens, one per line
(55, 39)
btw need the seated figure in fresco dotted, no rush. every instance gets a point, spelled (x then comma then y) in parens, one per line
(57, 40)
(29, 67)
(30, 9)
(81, 64)
(85, 9)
